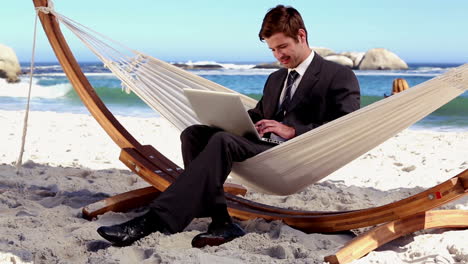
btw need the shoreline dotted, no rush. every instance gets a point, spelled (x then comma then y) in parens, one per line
(70, 162)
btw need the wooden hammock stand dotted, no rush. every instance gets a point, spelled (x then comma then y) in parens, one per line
(402, 217)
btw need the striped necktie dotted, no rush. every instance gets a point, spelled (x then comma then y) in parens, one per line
(292, 76)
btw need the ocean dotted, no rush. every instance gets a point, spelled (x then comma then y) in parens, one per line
(53, 92)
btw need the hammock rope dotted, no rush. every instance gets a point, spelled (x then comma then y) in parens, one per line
(19, 161)
(299, 162)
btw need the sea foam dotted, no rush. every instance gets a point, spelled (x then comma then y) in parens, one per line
(20, 90)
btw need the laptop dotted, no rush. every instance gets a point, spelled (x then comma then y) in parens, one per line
(224, 111)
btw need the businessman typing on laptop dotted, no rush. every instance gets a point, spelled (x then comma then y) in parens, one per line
(308, 92)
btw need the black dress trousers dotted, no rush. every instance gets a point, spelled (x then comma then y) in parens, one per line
(208, 155)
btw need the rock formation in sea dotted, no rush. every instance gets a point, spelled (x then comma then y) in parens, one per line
(341, 59)
(272, 65)
(382, 59)
(355, 56)
(373, 59)
(9, 66)
(323, 51)
(198, 66)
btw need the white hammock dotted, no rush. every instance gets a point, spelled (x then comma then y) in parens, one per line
(299, 162)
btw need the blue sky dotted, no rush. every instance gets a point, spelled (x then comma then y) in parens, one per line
(177, 31)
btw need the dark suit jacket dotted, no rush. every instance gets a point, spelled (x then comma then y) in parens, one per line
(327, 91)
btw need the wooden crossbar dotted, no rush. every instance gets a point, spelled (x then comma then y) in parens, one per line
(365, 243)
(308, 221)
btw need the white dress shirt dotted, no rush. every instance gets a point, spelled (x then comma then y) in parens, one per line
(301, 69)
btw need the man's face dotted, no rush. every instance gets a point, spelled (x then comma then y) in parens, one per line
(288, 51)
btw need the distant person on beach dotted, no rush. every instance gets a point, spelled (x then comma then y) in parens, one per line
(307, 93)
(398, 85)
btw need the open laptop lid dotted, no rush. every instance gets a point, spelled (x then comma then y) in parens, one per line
(222, 110)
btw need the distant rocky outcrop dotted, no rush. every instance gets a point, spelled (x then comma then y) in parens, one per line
(273, 65)
(341, 59)
(198, 66)
(355, 56)
(382, 59)
(324, 52)
(9, 66)
(374, 59)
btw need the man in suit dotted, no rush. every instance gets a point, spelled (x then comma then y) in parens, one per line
(307, 93)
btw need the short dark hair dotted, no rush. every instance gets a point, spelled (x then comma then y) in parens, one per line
(282, 19)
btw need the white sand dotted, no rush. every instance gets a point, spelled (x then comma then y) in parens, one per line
(70, 162)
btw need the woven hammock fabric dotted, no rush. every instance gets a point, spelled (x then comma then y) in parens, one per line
(299, 162)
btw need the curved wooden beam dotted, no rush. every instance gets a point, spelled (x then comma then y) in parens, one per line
(81, 84)
(121, 203)
(438, 195)
(365, 243)
(307, 221)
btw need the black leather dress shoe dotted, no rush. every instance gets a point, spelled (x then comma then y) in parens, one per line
(218, 234)
(126, 233)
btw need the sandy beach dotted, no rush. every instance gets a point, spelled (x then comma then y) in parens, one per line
(70, 162)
